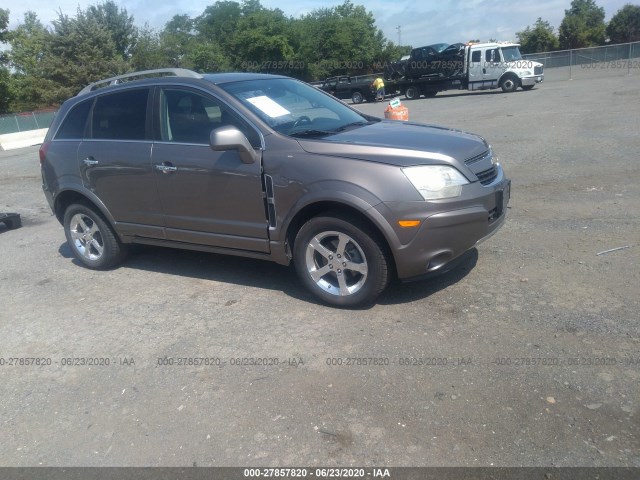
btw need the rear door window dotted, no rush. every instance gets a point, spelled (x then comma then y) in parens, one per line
(121, 116)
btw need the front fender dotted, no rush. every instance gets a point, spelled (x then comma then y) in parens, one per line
(327, 191)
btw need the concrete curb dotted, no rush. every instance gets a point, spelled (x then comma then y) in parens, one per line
(11, 141)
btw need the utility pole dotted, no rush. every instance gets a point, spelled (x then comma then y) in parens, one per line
(399, 28)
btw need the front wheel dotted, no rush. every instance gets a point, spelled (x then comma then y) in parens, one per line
(341, 261)
(91, 238)
(509, 84)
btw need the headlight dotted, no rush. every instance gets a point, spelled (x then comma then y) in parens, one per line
(436, 181)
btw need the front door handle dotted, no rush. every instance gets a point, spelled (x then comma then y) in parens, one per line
(90, 161)
(166, 167)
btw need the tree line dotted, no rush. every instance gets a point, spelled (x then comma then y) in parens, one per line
(42, 66)
(583, 25)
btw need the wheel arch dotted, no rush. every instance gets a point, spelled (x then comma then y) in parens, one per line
(71, 196)
(342, 210)
(512, 75)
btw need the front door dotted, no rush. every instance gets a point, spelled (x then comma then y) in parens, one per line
(208, 197)
(493, 66)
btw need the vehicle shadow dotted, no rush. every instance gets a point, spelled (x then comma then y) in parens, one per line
(268, 275)
(405, 292)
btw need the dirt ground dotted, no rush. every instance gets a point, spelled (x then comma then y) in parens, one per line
(527, 355)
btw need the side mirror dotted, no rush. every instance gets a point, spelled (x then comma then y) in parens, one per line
(230, 138)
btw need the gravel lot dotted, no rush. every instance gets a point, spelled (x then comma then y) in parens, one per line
(530, 351)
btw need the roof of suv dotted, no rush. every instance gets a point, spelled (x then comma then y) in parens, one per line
(219, 78)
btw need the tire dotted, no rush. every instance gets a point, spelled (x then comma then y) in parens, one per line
(412, 93)
(341, 261)
(510, 84)
(91, 239)
(356, 97)
(527, 87)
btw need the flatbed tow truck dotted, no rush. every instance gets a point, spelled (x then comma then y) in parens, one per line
(436, 68)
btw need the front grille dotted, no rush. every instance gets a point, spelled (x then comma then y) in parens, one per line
(487, 176)
(537, 70)
(470, 161)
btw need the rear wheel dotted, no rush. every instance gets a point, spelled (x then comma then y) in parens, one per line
(341, 261)
(356, 97)
(91, 238)
(412, 93)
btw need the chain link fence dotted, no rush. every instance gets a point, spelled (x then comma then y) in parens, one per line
(620, 59)
(21, 122)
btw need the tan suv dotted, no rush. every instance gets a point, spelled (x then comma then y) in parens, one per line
(267, 167)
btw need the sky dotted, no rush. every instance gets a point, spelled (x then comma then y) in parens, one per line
(421, 23)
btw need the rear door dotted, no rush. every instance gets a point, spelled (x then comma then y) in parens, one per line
(115, 161)
(208, 197)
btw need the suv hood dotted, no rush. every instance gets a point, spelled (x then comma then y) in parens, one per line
(399, 143)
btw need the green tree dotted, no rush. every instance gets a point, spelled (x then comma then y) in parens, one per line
(80, 51)
(339, 40)
(179, 45)
(625, 25)
(582, 26)
(540, 38)
(218, 23)
(262, 41)
(28, 43)
(4, 71)
(208, 56)
(118, 23)
(148, 53)
(176, 40)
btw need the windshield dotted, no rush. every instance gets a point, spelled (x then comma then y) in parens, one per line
(439, 47)
(294, 108)
(511, 54)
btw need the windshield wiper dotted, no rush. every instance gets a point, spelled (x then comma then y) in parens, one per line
(311, 133)
(349, 125)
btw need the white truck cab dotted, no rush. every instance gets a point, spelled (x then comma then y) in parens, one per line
(500, 64)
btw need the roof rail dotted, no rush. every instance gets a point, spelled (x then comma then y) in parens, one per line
(177, 72)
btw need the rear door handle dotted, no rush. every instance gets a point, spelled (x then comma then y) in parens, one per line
(166, 167)
(90, 161)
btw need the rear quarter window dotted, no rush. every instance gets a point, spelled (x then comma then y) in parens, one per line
(74, 123)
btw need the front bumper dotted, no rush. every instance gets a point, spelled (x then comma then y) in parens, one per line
(447, 233)
(532, 80)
